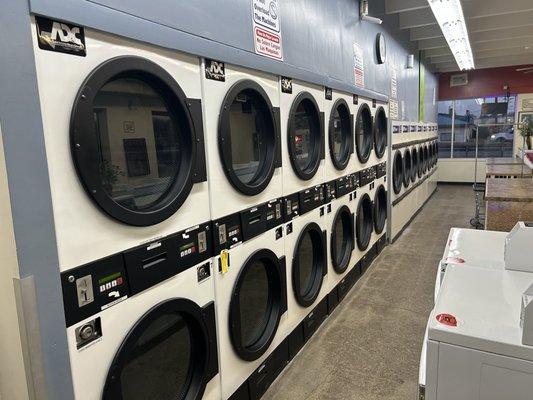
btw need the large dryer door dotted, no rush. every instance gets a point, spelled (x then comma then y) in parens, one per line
(414, 164)
(397, 172)
(248, 138)
(342, 239)
(407, 165)
(258, 301)
(305, 136)
(309, 264)
(420, 161)
(380, 209)
(340, 134)
(364, 224)
(364, 135)
(169, 354)
(137, 141)
(380, 132)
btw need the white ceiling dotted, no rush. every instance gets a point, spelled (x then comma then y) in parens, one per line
(501, 31)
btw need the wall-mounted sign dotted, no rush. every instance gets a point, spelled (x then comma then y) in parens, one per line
(527, 104)
(459, 80)
(267, 28)
(358, 66)
(393, 109)
(393, 84)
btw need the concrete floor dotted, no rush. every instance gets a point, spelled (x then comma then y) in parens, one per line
(369, 348)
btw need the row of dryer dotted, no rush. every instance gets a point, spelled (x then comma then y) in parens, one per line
(205, 221)
(413, 164)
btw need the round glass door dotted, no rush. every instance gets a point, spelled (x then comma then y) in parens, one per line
(342, 239)
(420, 161)
(309, 264)
(257, 303)
(380, 132)
(397, 172)
(166, 356)
(380, 209)
(248, 138)
(414, 164)
(364, 136)
(305, 136)
(340, 134)
(133, 141)
(407, 165)
(364, 223)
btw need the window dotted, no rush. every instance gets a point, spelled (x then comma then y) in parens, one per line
(487, 121)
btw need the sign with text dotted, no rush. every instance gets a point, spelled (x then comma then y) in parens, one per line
(267, 28)
(359, 66)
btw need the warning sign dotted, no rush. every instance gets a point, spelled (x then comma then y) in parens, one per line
(359, 66)
(267, 28)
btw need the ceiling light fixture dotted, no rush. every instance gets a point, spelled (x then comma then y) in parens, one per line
(450, 17)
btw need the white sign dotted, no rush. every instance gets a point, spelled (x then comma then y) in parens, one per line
(527, 104)
(393, 84)
(358, 66)
(267, 28)
(393, 109)
(459, 80)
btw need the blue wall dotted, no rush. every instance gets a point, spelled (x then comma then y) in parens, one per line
(318, 38)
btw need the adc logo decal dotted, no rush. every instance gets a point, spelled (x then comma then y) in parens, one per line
(215, 70)
(328, 92)
(286, 85)
(355, 99)
(60, 37)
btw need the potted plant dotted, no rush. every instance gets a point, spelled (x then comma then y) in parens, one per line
(109, 174)
(526, 130)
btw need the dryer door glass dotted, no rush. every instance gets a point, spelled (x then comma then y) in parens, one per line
(397, 173)
(364, 224)
(414, 164)
(407, 168)
(254, 301)
(380, 132)
(380, 209)
(342, 239)
(304, 136)
(139, 143)
(363, 133)
(340, 135)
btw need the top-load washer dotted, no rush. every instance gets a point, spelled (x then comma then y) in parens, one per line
(241, 116)
(339, 122)
(124, 141)
(302, 137)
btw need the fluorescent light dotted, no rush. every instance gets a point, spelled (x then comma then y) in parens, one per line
(450, 17)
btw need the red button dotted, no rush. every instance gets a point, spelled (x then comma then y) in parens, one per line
(119, 281)
(447, 319)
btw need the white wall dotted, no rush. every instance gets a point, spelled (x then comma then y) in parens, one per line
(460, 170)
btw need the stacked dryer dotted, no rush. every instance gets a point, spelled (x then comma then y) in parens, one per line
(303, 153)
(243, 136)
(124, 139)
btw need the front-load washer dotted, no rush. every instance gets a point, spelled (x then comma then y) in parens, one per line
(339, 123)
(364, 134)
(302, 137)
(141, 323)
(124, 141)
(343, 261)
(241, 116)
(306, 249)
(251, 292)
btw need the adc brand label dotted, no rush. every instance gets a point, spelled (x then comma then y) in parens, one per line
(286, 84)
(60, 37)
(215, 70)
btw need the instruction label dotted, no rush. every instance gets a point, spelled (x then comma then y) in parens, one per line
(393, 84)
(267, 28)
(359, 65)
(393, 109)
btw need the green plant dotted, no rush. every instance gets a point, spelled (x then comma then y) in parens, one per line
(109, 173)
(526, 131)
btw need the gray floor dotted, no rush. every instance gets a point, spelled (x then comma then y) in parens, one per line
(370, 347)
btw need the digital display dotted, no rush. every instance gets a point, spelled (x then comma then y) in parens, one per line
(109, 278)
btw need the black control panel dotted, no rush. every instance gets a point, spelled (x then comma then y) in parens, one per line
(96, 286)
(329, 191)
(381, 170)
(344, 186)
(366, 176)
(311, 198)
(291, 207)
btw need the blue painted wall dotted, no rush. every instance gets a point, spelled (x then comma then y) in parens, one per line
(318, 38)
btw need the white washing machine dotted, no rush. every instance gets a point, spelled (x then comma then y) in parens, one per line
(124, 141)
(241, 117)
(306, 249)
(364, 134)
(340, 159)
(251, 292)
(302, 136)
(141, 323)
(344, 269)
(475, 347)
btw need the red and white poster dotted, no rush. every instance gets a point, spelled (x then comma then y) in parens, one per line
(359, 66)
(267, 29)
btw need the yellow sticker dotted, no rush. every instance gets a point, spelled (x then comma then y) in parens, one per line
(224, 261)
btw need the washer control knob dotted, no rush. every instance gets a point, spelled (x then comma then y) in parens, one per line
(86, 332)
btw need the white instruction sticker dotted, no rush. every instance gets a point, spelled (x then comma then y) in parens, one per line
(267, 28)
(359, 65)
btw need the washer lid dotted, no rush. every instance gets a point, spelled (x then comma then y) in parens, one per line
(486, 306)
(475, 248)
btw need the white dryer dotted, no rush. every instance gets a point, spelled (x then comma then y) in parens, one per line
(306, 249)
(339, 121)
(241, 116)
(124, 140)
(302, 136)
(364, 133)
(251, 292)
(141, 323)
(364, 218)
(380, 127)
